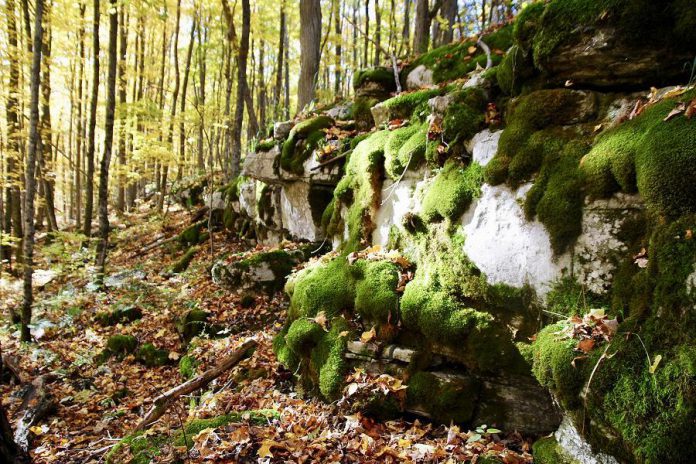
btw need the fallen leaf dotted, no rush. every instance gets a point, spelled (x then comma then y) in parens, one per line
(586, 345)
(368, 336)
(655, 363)
(322, 320)
(679, 109)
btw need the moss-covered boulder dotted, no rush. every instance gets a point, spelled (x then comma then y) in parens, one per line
(610, 43)
(375, 83)
(265, 271)
(123, 315)
(194, 323)
(303, 139)
(151, 356)
(118, 346)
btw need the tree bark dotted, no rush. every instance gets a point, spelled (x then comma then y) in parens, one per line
(281, 56)
(122, 114)
(378, 33)
(80, 121)
(89, 180)
(30, 182)
(366, 44)
(184, 87)
(108, 144)
(448, 12)
(310, 43)
(46, 152)
(339, 50)
(13, 207)
(421, 30)
(9, 451)
(406, 32)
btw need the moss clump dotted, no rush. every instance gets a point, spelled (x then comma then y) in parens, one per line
(381, 76)
(405, 149)
(649, 155)
(280, 262)
(303, 335)
(187, 366)
(547, 451)
(452, 191)
(119, 316)
(376, 299)
(311, 132)
(194, 323)
(635, 22)
(118, 346)
(411, 105)
(463, 118)
(567, 297)
(183, 263)
(142, 448)
(151, 356)
(447, 402)
(265, 145)
(193, 234)
(359, 190)
(453, 61)
(362, 115)
(513, 70)
(535, 145)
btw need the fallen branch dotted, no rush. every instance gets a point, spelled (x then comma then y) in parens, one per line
(165, 400)
(36, 404)
(154, 245)
(331, 161)
(487, 50)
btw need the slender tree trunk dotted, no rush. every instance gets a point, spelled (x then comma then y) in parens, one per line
(281, 56)
(122, 114)
(286, 89)
(89, 181)
(378, 32)
(421, 32)
(184, 87)
(175, 96)
(445, 34)
(339, 50)
(160, 99)
(366, 38)
(202, 37)
(80, 121)
(13, 206)
(108, 144)
(310, 44)
(261, 90)
(46, 152)
(483, 15)
(30, 182)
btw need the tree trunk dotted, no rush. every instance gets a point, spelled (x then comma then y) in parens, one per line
(46, 153)
(421, 30)
(80, 122)
(201, 95)
(281, 56)
(378, 32)
(10, 453)
(339, 50)
(261, 88)
(184, 87)
(30, 182)
(13, 208)
(175, 97)
(89, 181)
(122, 114)
(310, 43)
(366, 38)
(108, 144)
(448, 12)
(406, 32)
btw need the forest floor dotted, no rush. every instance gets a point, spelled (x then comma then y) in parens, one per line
(97, 404)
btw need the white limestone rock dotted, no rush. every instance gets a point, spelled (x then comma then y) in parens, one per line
(296, 212)
(421, 76)
(247, 198)
(396, 201)
(508, 248)
(263, 165)
(574, 446)
(483, 146)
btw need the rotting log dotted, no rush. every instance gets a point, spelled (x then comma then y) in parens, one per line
(36, 404)
(164, 401)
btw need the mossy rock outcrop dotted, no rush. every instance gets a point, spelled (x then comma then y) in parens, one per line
(610, 43)
(196, 322)
(377, 83)
(123, 315)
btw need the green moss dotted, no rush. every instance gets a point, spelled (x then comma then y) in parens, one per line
(187, 366)
(547, 451)
(452, 191)
(496, 171)
(567, 298)
(122, 344)
(193, 234)
(119, 316)
(149, 355)
(405, 149)
(303, 336)
(194, 323)
(649, 155)
(309, 131)
(512, 70)
(384, 77)
(184, 261)
(376, 299)
(362, 115)
(553, 355)
(411, 105)
(359, 190)
(325, 287)
(464, 117)
(265, 145)
(453, 61)
(280, 262)
(447, 402)
(636, 22)
(142, 448)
